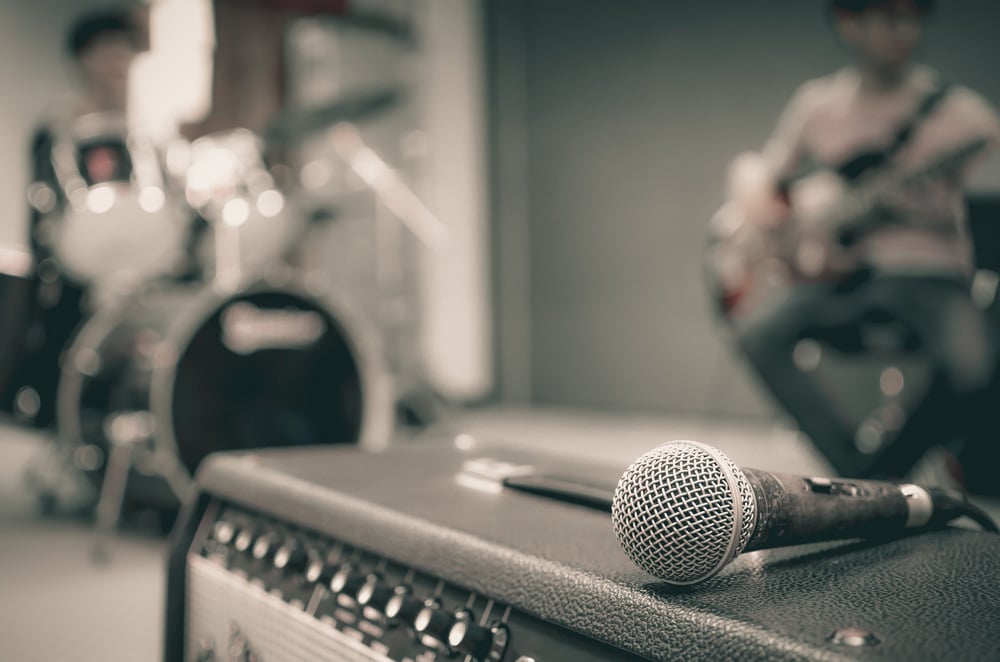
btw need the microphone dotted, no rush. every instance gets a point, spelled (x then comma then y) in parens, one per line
(684, 510)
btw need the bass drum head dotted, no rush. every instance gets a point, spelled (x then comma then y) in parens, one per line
(266, 369)
(185, 371)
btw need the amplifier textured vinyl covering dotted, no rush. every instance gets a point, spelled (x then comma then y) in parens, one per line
(418, 553)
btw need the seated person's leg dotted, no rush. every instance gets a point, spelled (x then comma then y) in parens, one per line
(972, 347)
(959, 346)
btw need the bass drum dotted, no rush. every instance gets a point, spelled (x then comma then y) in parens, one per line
(189, 371)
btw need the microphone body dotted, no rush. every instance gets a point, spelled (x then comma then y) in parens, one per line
(684, 510)
(793, 510)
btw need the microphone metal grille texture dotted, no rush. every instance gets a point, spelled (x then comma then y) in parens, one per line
(683, 511)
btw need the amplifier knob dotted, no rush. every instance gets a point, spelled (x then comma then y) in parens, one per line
(434, 622)
(318, 571)
(402, 606)
(224, 531)
(470, 639)
(265, 546)
(291, 557)
(375, 594)
(243, 540)
(347, 580)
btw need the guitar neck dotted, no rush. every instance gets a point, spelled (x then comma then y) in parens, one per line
(856, 212)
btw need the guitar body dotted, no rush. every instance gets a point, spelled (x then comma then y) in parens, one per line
(831, 210)
(748, 263)
(742, 263)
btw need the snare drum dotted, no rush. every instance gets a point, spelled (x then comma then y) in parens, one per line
(113, 223)
(227, 180)
(189, 371)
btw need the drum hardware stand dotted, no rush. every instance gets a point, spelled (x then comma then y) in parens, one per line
(395, 204)
(130, 436)
(52, 475)
(387, 185)
(228, 270)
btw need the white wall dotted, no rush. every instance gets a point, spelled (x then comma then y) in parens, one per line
(172, 83)
(33, 74)
(435, 138)
(451, 110)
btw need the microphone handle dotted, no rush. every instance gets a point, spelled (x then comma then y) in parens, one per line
(793, 510)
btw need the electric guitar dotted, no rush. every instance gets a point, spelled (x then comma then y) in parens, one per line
(745, 262)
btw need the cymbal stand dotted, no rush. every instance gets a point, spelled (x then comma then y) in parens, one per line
(228, 262)
(396, 206)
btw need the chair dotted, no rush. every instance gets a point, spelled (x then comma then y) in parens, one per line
(872, 373)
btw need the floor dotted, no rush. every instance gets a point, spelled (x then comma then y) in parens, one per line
(58, 603)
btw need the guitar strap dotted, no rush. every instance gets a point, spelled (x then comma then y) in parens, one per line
(865, 162)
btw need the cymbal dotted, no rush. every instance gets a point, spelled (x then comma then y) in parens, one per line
(293, 125)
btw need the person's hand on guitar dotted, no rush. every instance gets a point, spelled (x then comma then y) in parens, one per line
(742, 230)
(753, 191)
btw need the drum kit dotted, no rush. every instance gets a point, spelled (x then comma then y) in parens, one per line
(154, 368)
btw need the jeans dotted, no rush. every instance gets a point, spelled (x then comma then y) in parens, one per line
(954, 337)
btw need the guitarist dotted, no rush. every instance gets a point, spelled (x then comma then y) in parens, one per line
(882, 114)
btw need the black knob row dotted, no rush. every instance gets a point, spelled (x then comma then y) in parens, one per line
(271, 546)
(454, 633)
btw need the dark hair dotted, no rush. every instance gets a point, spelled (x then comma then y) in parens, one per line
(859, 6)
(86, 29)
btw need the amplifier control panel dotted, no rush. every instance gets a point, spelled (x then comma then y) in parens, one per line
(260, 589)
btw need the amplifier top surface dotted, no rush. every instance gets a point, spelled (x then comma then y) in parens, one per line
(438, 506)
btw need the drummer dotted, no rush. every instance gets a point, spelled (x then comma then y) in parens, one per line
(102, 46)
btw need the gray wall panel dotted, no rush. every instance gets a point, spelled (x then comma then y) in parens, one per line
(631, 111)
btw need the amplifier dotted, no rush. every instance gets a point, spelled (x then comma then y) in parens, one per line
(423, 553)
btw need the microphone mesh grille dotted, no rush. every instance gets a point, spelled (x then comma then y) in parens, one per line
(675, 511)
